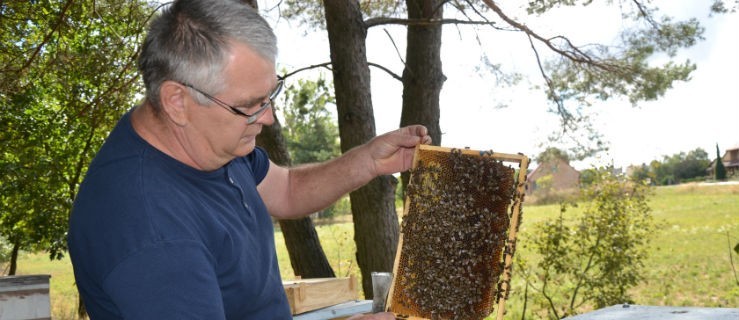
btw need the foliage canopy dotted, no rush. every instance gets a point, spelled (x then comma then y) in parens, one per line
(66, 74)
(310, 130)
(677, 168)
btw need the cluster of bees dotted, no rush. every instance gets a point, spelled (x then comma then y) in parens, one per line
(454, 234)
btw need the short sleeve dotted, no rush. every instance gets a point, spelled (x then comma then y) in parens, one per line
(258, 160)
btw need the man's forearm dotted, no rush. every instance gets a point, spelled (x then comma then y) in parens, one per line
(313, 187)
(295, 192)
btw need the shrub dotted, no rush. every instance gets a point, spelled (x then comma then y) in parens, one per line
(590, 261)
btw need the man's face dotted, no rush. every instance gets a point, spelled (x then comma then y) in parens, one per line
(216, 133)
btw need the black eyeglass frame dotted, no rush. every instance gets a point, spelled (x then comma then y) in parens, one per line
(250, 118)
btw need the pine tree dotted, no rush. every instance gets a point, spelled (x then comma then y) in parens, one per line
(720, 170)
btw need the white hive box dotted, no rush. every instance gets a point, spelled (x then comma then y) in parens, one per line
(25, 297)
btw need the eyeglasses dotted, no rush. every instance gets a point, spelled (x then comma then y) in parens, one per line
(250, 118)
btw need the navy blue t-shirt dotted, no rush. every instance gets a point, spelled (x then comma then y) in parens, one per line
(152, 238)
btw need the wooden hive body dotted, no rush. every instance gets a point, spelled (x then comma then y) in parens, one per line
(310, 294)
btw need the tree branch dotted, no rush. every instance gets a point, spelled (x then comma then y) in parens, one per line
(320, 65)
(394, 46)
(561, 110)
(548, 297)
(327, 65)
(373, 22)
(472, 6)
(47, 38)
(583, 274)
(525, 300)
(572, 52)
(397, 77)
(645, 13)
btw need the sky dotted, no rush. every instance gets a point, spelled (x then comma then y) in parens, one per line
(476, 113)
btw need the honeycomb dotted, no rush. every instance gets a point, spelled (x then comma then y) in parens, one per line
(455, 232)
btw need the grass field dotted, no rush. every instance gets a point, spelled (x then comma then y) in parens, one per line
(690, 259)
(689, 262)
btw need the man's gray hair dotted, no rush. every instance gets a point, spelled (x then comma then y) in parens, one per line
(189, 41)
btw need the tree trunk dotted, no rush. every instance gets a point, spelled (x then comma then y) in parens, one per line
(14, 258)
(306, 254)
(373, 206)
(423, 76)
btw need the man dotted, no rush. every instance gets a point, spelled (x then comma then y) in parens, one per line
(172, 220)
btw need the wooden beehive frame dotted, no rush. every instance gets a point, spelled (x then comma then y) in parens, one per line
(509, 250)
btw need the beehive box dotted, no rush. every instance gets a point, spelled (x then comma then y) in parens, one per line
(25, 297)
(310, 294)
(458, 234)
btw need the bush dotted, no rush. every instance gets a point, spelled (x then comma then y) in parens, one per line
(591, 261)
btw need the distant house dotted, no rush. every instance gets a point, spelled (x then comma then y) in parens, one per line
(730, 160)
(563, 176)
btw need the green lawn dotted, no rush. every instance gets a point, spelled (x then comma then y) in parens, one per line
(689, 263)
(690, 258)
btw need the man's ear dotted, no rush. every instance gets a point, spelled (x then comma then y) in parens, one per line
(172, 96)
